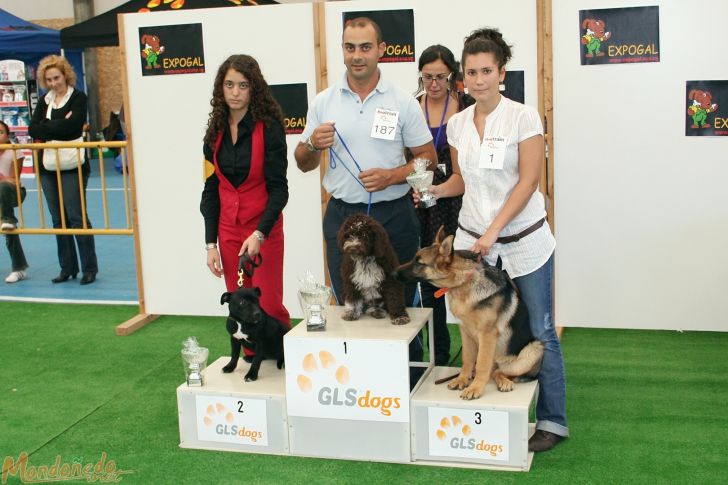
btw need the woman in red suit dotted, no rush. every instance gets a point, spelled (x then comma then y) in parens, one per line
(243, 198)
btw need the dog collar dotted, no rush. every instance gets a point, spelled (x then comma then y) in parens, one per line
(440, 292)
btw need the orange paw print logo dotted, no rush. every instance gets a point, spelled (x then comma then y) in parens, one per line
(215, 411)
(326, 361)
(452, 426)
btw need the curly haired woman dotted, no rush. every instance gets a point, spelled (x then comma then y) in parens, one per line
(243, 198)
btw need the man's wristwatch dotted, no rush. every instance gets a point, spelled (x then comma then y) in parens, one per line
(259, 236)
(311, 147)
(209, 246)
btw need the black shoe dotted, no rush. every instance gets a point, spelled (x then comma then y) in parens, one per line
(63, 277)
(88, 278)
(543, 440)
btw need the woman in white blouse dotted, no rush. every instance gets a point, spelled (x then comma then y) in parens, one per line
(497, 150)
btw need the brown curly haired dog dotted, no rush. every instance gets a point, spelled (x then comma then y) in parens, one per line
(366, 270)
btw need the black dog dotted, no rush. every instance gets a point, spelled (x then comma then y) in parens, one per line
(250, 327)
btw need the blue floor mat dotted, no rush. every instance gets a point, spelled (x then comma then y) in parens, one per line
(116, 281)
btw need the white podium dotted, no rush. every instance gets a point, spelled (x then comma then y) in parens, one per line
(491, 431)
(345, 393)
(348, 390)
(230, 414)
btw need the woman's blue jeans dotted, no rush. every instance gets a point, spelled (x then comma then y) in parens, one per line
(536, 292)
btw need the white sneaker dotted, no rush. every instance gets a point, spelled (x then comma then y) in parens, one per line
(7, 226)
(15, 276)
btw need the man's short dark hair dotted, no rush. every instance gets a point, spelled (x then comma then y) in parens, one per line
(363, 22)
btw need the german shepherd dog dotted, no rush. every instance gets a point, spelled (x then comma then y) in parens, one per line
(495, 333)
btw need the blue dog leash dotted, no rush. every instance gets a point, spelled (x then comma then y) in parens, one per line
(332, 163)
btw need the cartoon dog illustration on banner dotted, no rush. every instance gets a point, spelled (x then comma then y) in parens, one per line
(153, 48)
(594, 36)
(702, 105)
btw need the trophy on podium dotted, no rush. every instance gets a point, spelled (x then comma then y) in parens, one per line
(421, 180)
(195, 358)
(313, 298)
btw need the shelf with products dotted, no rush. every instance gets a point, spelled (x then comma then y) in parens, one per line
(15, 105)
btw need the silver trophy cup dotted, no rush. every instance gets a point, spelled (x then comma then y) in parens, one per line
(313, 300)
(421, 180)
(195, 358)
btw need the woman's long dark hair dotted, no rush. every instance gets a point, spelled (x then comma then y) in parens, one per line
(262, 105)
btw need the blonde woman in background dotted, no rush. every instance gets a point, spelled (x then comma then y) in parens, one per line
(67, 117)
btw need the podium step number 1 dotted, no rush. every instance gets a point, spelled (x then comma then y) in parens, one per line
(347, 389)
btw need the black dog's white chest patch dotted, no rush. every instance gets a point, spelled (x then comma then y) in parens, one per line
(239, 333)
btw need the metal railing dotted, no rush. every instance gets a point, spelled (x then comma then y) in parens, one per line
(107, 229)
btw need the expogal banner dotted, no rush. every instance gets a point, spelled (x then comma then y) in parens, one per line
(619, 35)
(171, 49)
(293, 99)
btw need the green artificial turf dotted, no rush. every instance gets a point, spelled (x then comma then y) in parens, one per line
(643, 406)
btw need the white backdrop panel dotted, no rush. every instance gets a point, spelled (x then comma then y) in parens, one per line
(169, 115)
(640, 208)
(447, 26)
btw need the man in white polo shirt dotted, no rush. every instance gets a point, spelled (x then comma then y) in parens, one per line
(367, 122)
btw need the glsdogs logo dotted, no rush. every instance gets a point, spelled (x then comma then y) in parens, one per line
(457, 433)
(219, 417)
(339, 395)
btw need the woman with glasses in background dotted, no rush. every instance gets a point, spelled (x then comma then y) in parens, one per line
(439, 100)
(246, 189)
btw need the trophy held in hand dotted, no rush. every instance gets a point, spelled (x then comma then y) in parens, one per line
(421, 180)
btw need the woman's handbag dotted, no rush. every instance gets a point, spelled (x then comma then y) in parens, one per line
(64, 158)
